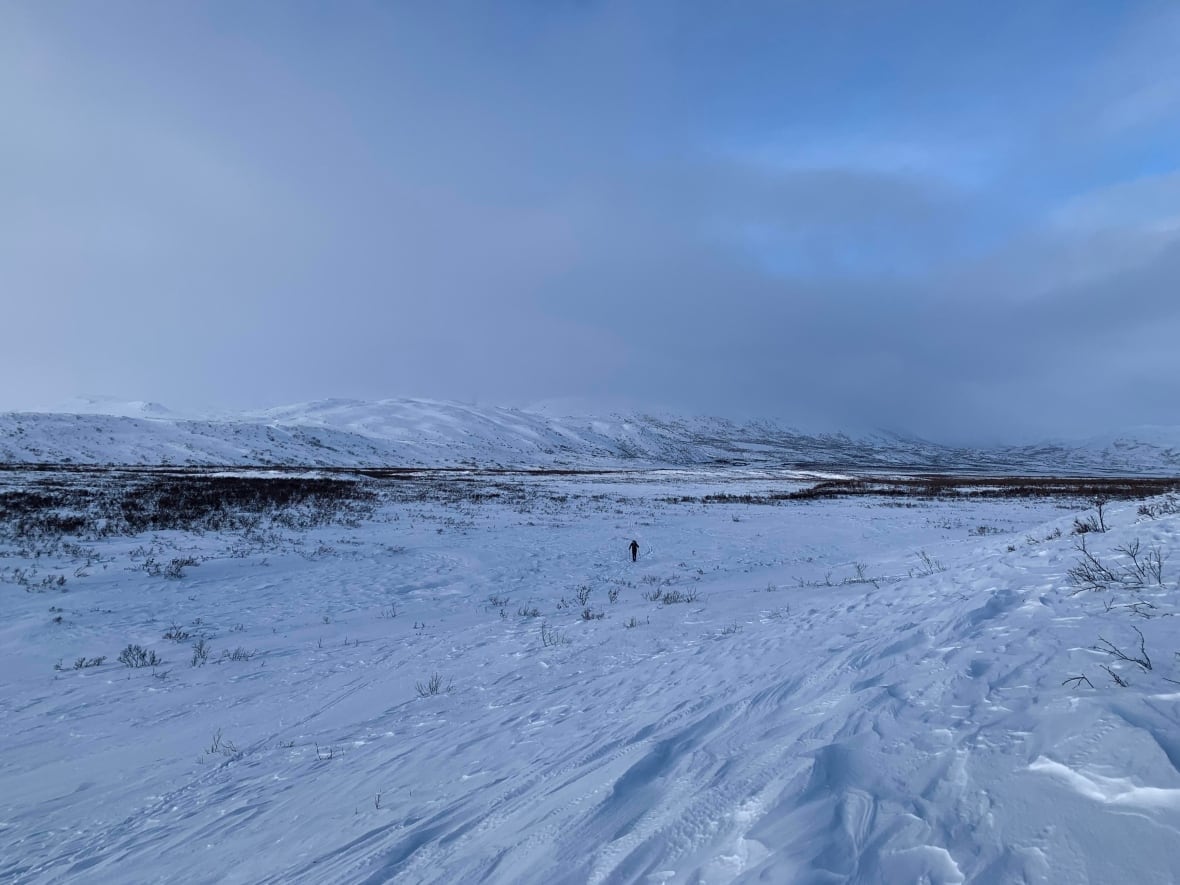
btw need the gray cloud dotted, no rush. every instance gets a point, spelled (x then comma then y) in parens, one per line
(776, 213)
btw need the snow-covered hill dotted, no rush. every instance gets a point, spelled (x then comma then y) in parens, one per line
(414, 432)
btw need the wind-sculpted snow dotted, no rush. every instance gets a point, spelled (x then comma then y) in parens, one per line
(846, 691)
(345, 433)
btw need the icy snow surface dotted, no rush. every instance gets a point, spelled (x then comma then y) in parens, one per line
(830, 705)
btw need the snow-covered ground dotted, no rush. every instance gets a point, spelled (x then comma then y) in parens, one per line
(863, 690)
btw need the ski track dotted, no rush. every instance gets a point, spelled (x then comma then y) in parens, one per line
(914, 729)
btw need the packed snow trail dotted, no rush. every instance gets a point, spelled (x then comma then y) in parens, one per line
(833, 706)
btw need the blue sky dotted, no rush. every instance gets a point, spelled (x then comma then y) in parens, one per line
(956, 219)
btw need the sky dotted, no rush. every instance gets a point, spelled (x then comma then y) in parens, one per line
(958, 220)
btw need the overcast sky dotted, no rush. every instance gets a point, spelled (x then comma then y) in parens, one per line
(956, 219)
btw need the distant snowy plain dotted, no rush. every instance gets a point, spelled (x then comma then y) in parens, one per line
(862, 690)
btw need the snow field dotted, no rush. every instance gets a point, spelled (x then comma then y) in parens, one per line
(832, 706)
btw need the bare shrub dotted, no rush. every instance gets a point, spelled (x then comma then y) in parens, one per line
(177, 633)
(582, 594)
(150, 567)
(1166, 507)
(861, 576)
(1141, 568)
(432, 686)
(551, 638)
(671, 597)
(1146, 567)
(927, 566)
(220, 746)
(201, 651)
(323, 754)
(588, 614)
(1142, 660)
(175, 569)
(137, 656)
(238, 654)
(1090, 573)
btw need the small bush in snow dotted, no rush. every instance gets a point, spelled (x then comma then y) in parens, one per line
(928, 566)
(671, 597)
(137, 656)
(551, 638)
(222, 747)
(1094, 522)
(238, 654)
(177, 633)
(432, 686)
(200, 653)
(1168, 506)
(175, 569)
(861, 576)
(1139, 569)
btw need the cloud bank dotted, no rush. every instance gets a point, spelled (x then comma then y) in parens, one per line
(960, 223)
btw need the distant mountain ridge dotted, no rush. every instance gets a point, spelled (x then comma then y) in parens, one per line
(429, 433)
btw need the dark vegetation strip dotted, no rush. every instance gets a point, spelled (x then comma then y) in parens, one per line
(943, 486)
(100, 502)
(130, 503)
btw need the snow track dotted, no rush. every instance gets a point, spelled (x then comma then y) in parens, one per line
(901, 722)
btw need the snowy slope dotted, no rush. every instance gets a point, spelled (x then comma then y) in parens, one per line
(109, 405)
(846, 693)
(431, 433)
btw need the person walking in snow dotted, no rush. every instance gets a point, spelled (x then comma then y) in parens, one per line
(634, 550)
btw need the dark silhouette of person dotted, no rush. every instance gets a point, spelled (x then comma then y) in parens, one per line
(634, 550)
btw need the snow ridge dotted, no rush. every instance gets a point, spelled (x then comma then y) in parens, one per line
(419, 432)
